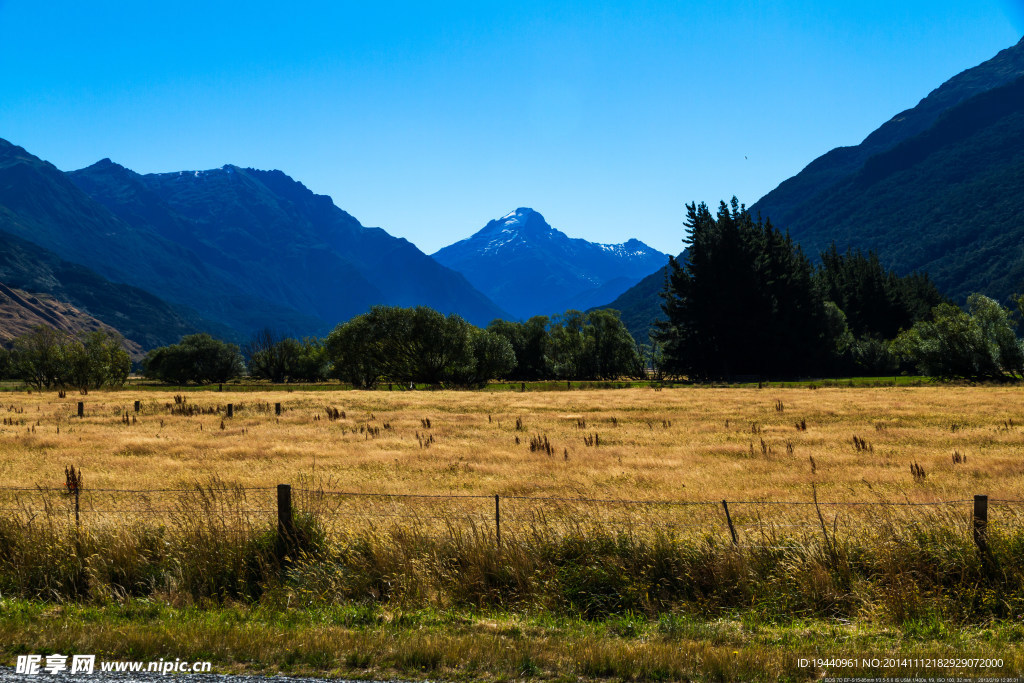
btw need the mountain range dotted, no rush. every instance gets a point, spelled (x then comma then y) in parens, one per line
(938, 188)
(228, 251)
(231, 250)
(528, 268)
(271, 238)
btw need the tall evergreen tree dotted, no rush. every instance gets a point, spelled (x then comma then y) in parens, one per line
(744, 302)
(877, 302)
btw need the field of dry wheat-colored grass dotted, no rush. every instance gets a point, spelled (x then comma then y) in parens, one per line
(682, 443)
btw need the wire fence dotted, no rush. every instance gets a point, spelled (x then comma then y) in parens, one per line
(743, 523)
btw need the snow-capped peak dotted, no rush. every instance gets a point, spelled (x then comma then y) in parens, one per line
(517, 217)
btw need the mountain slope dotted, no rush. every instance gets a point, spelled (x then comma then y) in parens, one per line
(276, 240)
(136, 314)
(529, 268)
(640, 305)
(938, 188)
(21, 312)
(42, 206)
(947, 201)
(783, 204)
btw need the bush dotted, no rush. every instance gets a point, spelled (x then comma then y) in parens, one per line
(979, 344)
(196, 358)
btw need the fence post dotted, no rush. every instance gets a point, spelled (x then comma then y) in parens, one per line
(277, 408)
(231, 410)
(497, 520)
(728, 518)
(981, 523)
(285, 522)
(81, 409)
(73, 484)
(138, 406)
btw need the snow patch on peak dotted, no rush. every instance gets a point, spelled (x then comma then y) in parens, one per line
(506, 237)
(519, 217)
(521, 212)
(632, 248)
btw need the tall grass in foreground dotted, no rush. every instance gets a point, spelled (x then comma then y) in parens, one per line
(207, 552)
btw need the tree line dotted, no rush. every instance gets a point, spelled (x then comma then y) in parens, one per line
(47, 358)
(414, 345)
(745, 302)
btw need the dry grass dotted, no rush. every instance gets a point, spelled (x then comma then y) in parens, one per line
(689, 443)
(571, 596)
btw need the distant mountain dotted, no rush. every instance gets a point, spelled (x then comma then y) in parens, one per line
(938, 188)
(529, 268)
(21, 312)
(277, 242)
(640, 305)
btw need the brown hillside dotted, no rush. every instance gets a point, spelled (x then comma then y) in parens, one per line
(21, 311)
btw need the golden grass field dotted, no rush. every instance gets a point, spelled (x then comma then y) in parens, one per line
(422, 586)
(678, 443)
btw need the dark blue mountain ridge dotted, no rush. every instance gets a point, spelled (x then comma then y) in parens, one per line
(230, 250)
(275, 239)
(64, 244)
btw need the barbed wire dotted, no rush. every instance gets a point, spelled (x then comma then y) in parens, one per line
(453, 496)
(463, 496)
(83, 491)
(762, 524)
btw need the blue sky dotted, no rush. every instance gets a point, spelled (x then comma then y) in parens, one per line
(430, 119)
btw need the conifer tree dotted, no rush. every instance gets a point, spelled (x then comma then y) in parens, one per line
(743, 303)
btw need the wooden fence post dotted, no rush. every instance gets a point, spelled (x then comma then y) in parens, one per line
(73, 484)
(285, 521)
(497, 520)
(81, 409)
(231, 410)
(981, 523)
(277, 408)
(728, 518)
(138, 406)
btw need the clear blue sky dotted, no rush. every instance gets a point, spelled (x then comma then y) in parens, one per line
(430, 119)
